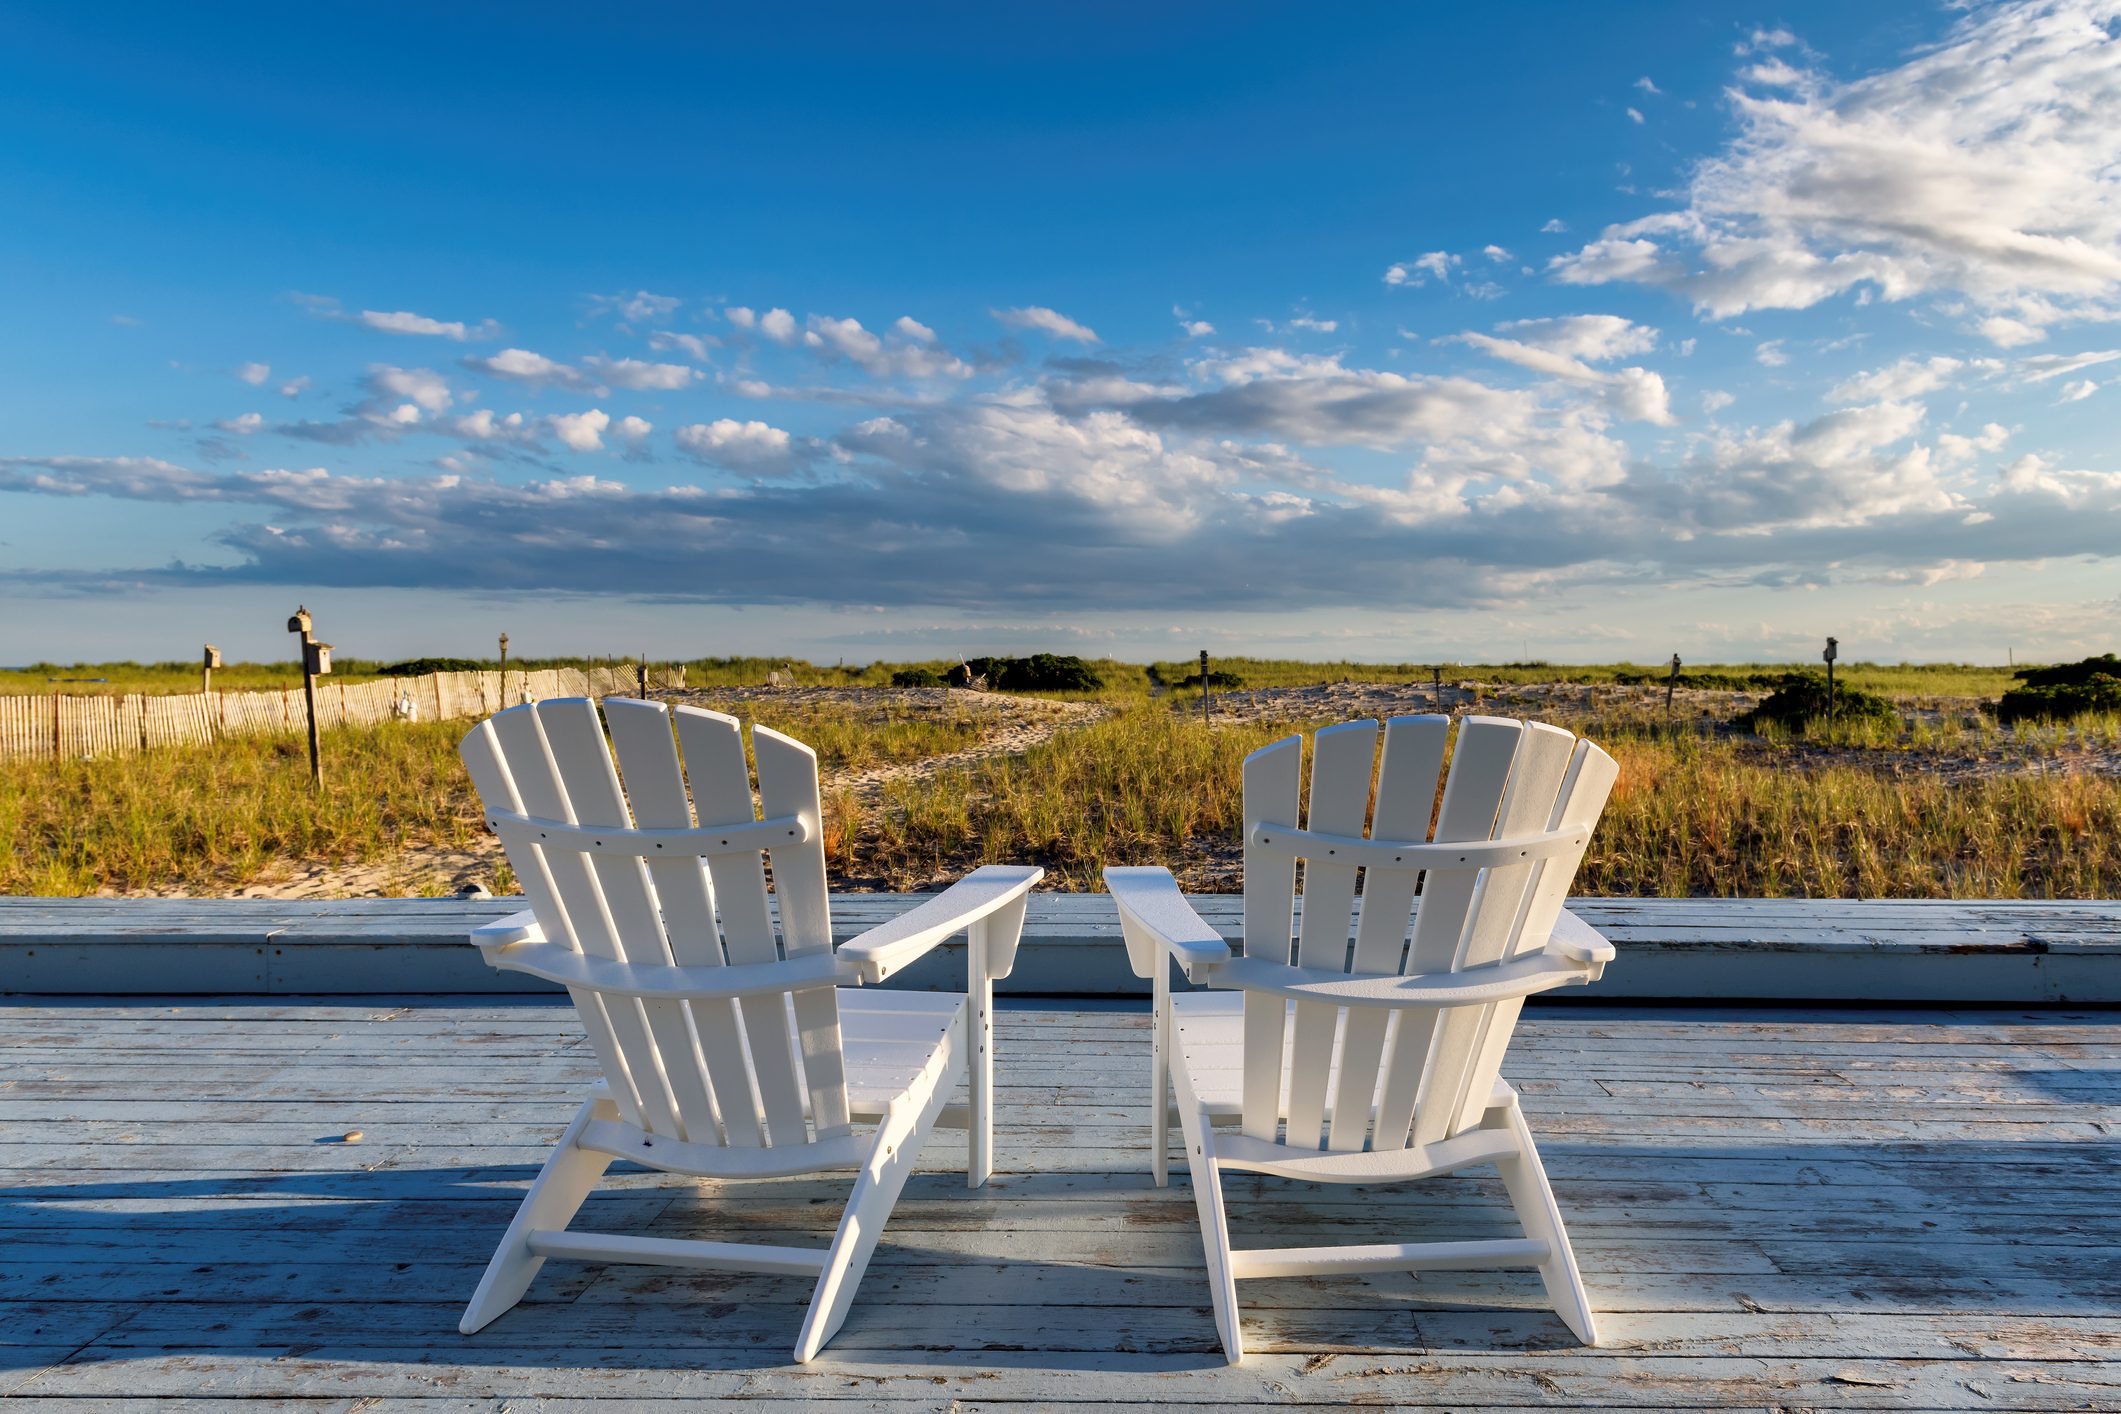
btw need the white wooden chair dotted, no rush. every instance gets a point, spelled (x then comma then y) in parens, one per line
(1381, 1063)
(727, 1053)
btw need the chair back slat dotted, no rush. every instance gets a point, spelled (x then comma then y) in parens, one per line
(487, 764)
(1342, 760)
(1272, 779)
(713, 743)
(1416, 1073)
(1541, 761)
(1579, 803)
(788, 786)
(708, 1072)
(655, 786)
(575, 737)
(1481, 756)
(544, 794)
(1406, 797)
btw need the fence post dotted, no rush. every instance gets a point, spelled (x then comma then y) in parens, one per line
(1833, 651)
(1670, 683)
(1206, 712)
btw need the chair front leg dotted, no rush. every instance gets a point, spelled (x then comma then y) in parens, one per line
(979, 1055)
(555, 1196)
(1160, 1073)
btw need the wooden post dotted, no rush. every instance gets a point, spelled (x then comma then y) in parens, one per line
(316, 658)
(1670, 683)
(210, 660)
(640, 677)
(504, 667)
(1205, 710)
(1833, 651)
(1436, 684)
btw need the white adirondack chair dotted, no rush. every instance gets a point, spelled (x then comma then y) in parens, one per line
(1379, 1064)
(726, 1053)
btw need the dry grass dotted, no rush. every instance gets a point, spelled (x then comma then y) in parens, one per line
(1692, 815)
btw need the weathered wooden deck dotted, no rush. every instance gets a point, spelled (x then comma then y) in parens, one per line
(1796, 1209)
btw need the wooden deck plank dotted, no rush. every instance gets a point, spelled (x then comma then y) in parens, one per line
(1827, 1209)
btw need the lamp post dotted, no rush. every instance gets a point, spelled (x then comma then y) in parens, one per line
(316, 661)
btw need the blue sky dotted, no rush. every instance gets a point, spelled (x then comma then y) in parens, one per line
(1402, 332)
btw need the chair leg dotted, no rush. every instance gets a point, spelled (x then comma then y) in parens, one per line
(899, 1138)
(979, 1056)
(555, 1196)
(1533, 1198)
(1214, 1227)
(1160, 1075)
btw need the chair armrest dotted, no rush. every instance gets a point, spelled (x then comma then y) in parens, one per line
(1155, 918)
(515, 928)
(986, 891)
(1579, 941)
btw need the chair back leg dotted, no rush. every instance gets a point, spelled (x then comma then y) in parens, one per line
(1525, 1179)
(555, 1196)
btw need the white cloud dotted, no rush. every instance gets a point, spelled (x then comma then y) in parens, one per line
(694, 346)
(1496, 253)
(640, 307)
(254, 374)
(524, 366)
(1908, 378)
(744, 446)
(406, 322)
(294, 387)
(1986, 167)
(1554, 226)
(482, 425)
(1314, 326)
(1635, 116)
(1953, 448)
(580, 431)
(775, 324)
(1770, 353)
(243, 425)
(425, 389)
(1050, 322)
(639, 375)
(1196, 328)
(1646, 86)
(2077, 392)
(633, 430)
(1591, 337)
(907, 357)
(1715, 400)
(2040, 367)
(913, 329)
(1435, 265)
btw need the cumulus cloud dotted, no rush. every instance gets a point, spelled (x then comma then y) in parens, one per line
(910, 355)
(580, 431)
(775, 324)
(1050, 322)
(1984, 169)
(1566, 347)
(741, 446)
(242, 425)
(254, 374)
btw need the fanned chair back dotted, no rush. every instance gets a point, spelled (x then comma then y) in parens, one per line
(636, 873)
(1518, 800)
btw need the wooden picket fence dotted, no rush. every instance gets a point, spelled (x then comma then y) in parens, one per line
(80, 725)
